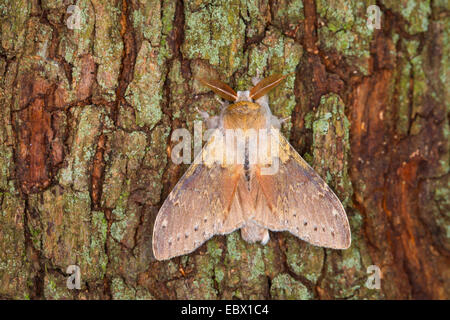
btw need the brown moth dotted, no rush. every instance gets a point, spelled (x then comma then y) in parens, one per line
(218, 197)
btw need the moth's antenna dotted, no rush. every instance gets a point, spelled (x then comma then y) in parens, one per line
(220, 88)
(266, 84)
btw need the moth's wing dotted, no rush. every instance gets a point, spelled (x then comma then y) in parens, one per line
(297, 200)
(201, 205)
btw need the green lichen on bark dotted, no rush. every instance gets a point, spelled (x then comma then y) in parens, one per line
(15, 266)
(330, 128)
(284, 287)
(145, 92)
(215, 32)
(304, 260)
(343, 27)
(416, 13)
(108, 45)
(83, 143)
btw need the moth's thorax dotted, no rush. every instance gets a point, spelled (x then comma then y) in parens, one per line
(244, 115)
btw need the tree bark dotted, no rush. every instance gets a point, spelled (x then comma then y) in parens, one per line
(87, 116)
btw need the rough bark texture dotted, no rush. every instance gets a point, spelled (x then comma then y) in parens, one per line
(85, 141)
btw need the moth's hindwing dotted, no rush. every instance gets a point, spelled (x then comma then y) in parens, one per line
(201, 205)
(297, 200)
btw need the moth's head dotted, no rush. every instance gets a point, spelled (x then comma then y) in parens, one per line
(259, 90)
(243, 96)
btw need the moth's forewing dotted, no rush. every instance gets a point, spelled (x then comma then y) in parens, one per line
(200, 206)
(297, 200)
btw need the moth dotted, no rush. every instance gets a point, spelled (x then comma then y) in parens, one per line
(217, 198)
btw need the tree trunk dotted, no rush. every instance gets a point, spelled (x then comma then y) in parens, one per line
(87, 115)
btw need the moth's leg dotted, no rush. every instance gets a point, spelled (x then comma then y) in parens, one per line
(283, 120)
(278, 122)
(203, 114)
(223, 103)
(211, 122)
